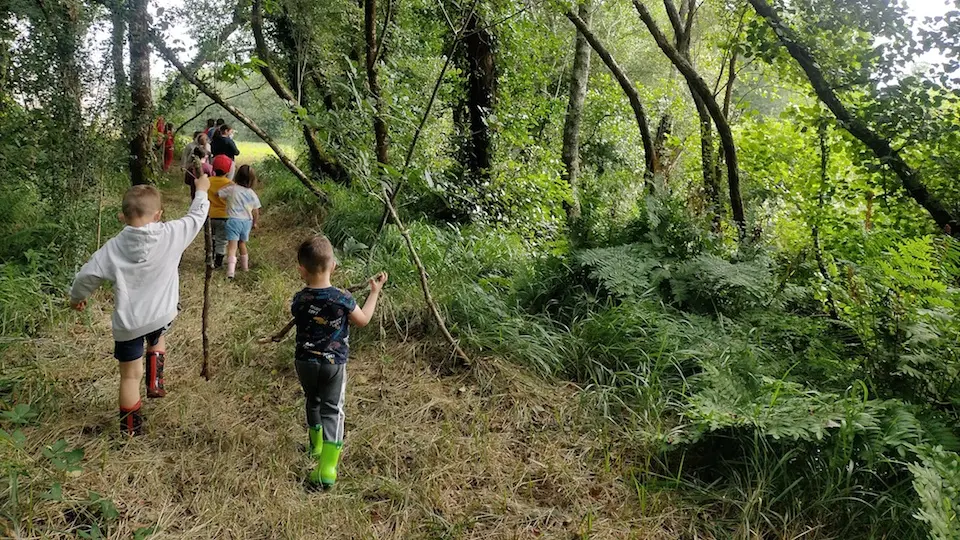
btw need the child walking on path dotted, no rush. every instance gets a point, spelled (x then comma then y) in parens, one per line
(142, 262)
(243, 212)
(323, 316)
(218, 208)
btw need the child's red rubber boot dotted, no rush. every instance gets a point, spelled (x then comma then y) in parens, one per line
(154, 361)
(244, 262)
(131, 420)
(231, 267)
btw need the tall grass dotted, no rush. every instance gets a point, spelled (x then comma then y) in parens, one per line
(752, 407)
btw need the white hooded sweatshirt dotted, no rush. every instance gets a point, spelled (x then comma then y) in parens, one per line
(143, 265)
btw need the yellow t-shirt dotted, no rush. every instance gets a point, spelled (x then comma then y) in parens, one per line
(218, 206)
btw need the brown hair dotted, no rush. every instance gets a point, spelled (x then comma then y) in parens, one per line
(316, 254)
(202, 139)
(246, 177)
(140, 201)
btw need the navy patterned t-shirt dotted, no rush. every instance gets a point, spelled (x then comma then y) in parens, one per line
(323, 324)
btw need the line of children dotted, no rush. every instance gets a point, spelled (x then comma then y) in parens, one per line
(142, 263)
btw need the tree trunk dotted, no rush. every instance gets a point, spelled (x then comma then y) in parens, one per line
(682, 22)
(321, 163)
(121, 87)
(711, 176)
(628, 89)
(141, 117)
(169, 56)
(570, 153)
(370, 34)
(479, 66)
(880, 147)
(697, 85)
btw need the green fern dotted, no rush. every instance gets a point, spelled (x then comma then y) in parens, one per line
(623, 271)
(936, 479)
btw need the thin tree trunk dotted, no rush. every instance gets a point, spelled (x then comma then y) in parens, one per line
(882, 148)
(682, 22)
(815, 229)
(141, 118)
(627, 86)
(121, 87)
(723, 127)
(370, 34)
(570, 153)
(711, 176)
(204, 52)
(320, 161)
(169, 56)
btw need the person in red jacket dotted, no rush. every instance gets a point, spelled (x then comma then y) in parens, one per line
(168, 147)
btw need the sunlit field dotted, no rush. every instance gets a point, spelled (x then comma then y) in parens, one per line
(251, 152)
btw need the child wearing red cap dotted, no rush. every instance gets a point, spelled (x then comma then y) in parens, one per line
(218, 207)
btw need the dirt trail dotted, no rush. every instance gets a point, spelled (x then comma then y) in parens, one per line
(487, 453)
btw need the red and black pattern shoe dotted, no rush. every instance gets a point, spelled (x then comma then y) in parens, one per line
(131, 420)
(154, 361)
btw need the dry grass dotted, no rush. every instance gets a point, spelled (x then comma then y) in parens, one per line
(489, 452)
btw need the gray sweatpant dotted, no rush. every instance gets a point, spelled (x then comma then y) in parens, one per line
(324, 387)
(219, 226)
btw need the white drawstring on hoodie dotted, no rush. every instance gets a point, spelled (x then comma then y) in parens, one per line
(143, 265)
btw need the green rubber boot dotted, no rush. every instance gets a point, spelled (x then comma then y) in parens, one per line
(316, 441)
(329, 459)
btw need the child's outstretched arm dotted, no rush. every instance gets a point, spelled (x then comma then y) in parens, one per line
(185, 229)
(361, 316)
(88, 279)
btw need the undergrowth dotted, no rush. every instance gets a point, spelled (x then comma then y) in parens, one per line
(767, 415)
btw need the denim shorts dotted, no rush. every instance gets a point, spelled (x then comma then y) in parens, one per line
(238, 229)
(128, 351)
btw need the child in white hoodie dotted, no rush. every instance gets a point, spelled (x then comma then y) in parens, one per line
(142, 262)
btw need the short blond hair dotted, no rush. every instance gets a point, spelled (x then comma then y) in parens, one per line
(316, 254)
(140, 201)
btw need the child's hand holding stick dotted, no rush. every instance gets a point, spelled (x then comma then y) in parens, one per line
(278, 337)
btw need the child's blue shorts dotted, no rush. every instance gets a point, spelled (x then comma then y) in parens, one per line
(239, 229)
(128, 351)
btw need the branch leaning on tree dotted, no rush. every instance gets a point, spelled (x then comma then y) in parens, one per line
(628, 88)
(881, 148)
(698, 85)
(171, 57)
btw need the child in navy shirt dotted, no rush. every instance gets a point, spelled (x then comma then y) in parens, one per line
(323, 315)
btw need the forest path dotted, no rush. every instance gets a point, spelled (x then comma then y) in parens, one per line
(488, 452)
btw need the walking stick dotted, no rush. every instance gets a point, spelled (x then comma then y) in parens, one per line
(207, 275)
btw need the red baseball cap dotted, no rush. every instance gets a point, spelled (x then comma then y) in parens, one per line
(222, 164)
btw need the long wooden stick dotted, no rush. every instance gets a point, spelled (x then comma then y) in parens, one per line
(207, 275)
(423, 277)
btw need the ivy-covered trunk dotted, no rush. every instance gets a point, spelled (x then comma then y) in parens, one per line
(579, 76)
(121, 87)
(478, 63)
(141, 96)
